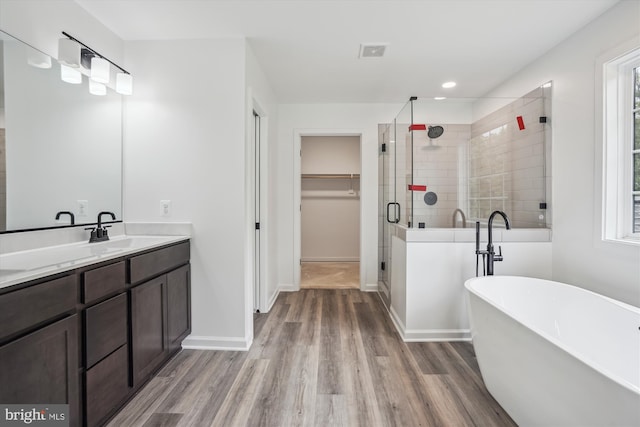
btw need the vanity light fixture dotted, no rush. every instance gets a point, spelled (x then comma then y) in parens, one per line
(37, 59)
(73, 53)
(100, 70)
(69, 53)
(70, 75)
(96, 88)
(124, 83)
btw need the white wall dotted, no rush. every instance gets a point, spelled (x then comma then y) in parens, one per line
(185, 142)
(579, 255)
(296, 119)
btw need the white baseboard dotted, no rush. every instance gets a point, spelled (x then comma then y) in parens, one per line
(427, 335)
(272, 300)
(287, 288)
(331, 259)
(371, 287)
(399, 324)
(216, 343)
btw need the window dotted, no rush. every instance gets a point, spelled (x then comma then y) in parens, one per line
(621, 155)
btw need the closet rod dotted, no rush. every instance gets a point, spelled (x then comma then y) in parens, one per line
(331, 175)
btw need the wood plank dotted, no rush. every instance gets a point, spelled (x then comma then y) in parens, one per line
(360, 392)
(446, 406)
(428, 357)
(163, 420)
(242, 395)
(323, 358)
(330, 410)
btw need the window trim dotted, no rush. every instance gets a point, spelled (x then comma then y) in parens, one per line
(617, 91)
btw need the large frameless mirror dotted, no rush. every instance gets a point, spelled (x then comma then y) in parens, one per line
(60, 146)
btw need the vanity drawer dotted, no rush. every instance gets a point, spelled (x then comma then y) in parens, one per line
(103, 281)
(153, 263)
(107, 384)
(105, 328)
(28, 307)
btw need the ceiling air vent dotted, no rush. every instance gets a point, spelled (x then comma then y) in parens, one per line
(372, 50)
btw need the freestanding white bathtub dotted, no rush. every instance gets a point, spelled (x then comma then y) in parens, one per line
(556, 355)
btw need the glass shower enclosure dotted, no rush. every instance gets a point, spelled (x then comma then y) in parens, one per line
(447, 163)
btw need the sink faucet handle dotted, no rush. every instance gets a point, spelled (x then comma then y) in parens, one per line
(499, 256)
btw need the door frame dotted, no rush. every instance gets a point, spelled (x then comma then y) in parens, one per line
(254, 106)
(297, 197)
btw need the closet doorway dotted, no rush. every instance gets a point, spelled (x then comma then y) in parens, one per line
(330, 212)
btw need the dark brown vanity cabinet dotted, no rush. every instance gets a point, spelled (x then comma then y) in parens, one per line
(160, 307)
(93, 337)
(39, 345)
(106, 358)
(178, 306)
(148, 326)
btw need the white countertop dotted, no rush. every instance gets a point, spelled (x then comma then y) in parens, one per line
(23, 266)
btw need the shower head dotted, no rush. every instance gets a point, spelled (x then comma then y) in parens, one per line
(435, 132)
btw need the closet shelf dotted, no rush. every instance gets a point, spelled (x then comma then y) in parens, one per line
(331, 175)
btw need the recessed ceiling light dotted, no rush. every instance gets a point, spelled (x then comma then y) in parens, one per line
(440, 98)
(448, 85)
(372, 50)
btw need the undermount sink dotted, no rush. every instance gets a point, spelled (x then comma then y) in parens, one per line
(72, 254)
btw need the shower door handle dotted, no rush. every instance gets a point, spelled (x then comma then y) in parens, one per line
(397, 212)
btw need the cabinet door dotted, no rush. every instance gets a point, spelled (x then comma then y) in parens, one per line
(178, 306)
(148, 326)
(42, 367)
(107, 385)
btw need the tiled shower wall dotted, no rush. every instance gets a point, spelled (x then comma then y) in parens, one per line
(506, 164)
(437, 165)
(477, 168)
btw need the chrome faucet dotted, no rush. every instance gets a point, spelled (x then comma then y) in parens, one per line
(464, 218)
(490, 254)
(100, 233)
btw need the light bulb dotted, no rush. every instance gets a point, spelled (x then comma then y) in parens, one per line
(124, 83)
(70, 75)
(100, 70)
(96, 88)
(69, 53)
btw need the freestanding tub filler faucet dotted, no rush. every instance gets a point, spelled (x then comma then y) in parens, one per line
(491, 254)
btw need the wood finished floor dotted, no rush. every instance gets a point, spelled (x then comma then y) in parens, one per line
(320, 358)
(330, 275)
